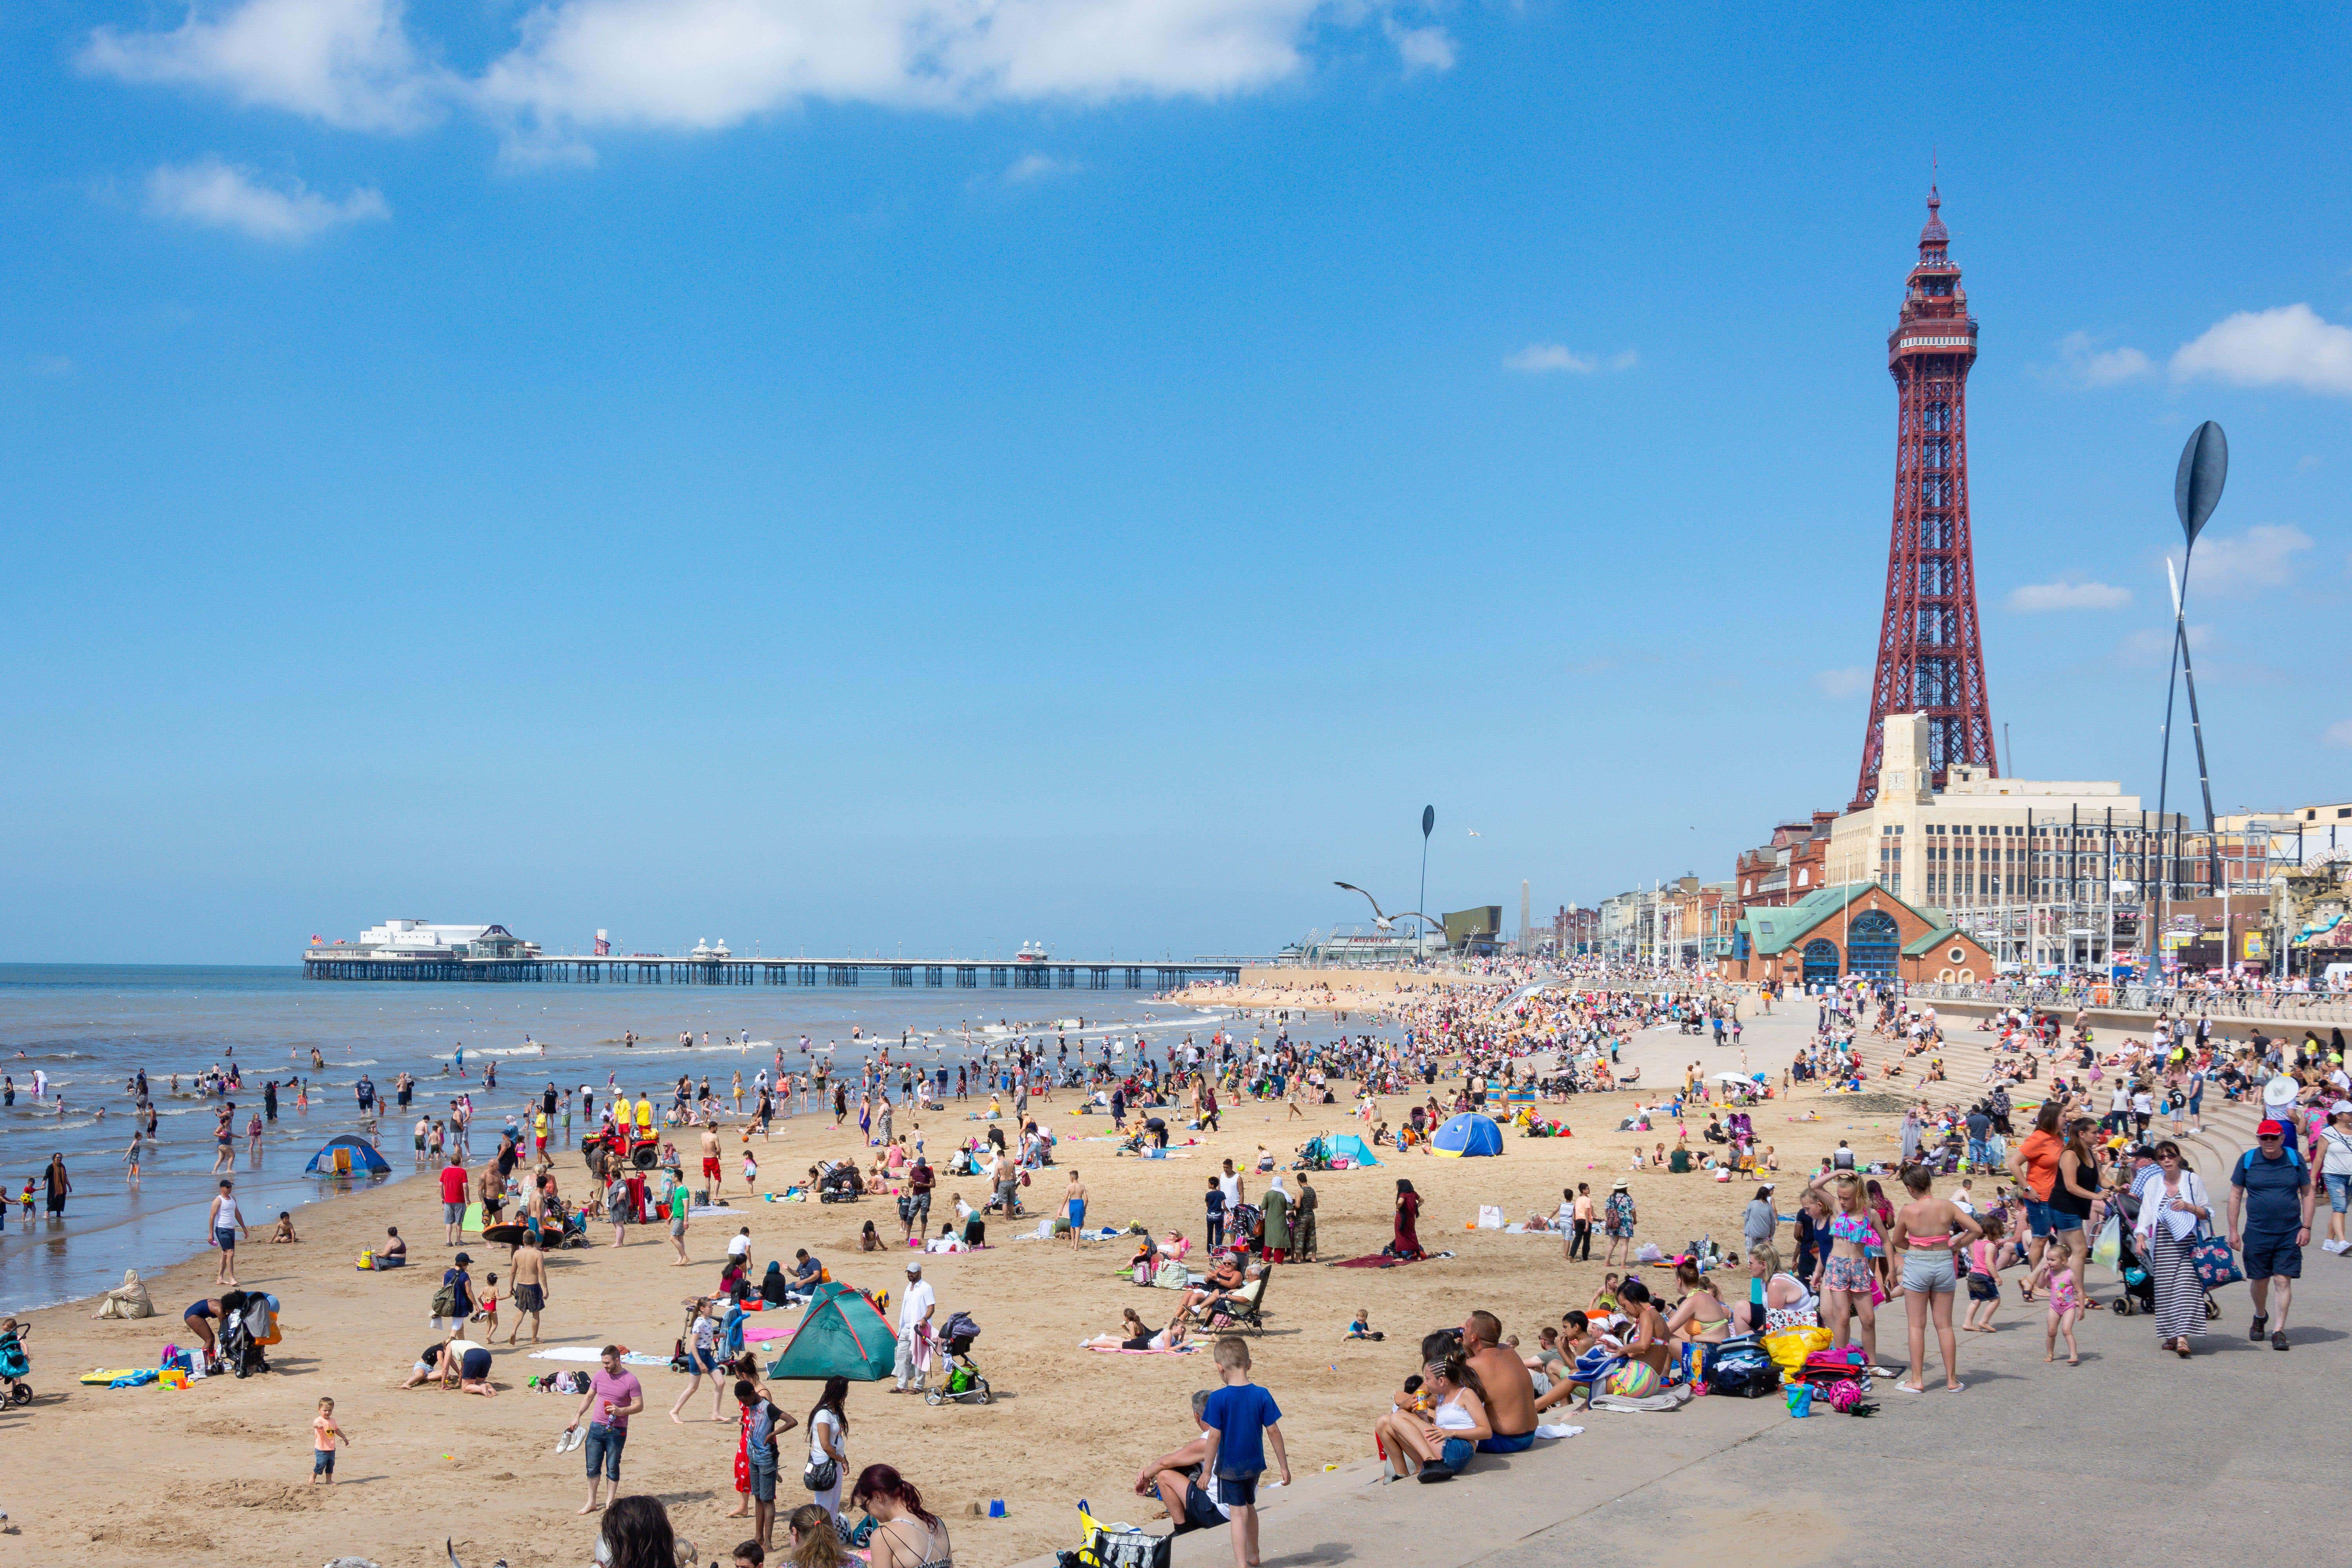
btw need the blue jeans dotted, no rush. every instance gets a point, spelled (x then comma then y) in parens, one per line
(1980, 1152)
(1457, 1453)
(603, 1446)
(2339, 1193)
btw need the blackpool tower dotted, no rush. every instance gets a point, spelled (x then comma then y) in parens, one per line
(1930, 658)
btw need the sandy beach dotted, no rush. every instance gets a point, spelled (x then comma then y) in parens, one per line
(222, 1467)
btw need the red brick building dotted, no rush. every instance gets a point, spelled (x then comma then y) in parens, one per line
(1858, 929)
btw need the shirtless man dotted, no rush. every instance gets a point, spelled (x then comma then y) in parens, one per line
(530, 1285)
(711, 1169)
(1073, 1206)
(1510, 1392)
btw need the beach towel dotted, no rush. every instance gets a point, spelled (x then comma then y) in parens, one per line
(1382, 1260)
(588, 1353)
(763, 1334)
(1122, 1350)
(699, 1210)
(1554, 1432)
(1673, 1398)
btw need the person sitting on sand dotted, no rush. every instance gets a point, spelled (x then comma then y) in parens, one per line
(393, 1253)
(427, 1367)
(284, 1231)
(1444, 1441)
(1361, 1328)
(867, 1241)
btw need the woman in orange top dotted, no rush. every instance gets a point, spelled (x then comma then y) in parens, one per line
(2034, 1162)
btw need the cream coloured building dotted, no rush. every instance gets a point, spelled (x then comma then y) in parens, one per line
(2040, 871)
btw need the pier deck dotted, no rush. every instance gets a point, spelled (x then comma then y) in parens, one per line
(947, 973)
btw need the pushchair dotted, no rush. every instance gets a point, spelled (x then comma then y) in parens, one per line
(839, 1185)
(14, 1365)
(240, 1351)
(959, 1378)
(2139, 1285)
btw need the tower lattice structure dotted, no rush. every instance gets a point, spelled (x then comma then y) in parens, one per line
(1930, 657)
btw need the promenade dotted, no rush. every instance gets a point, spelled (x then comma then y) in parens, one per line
(2204, 1458)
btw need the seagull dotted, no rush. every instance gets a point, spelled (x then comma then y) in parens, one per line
(1475, 834)
(1384, 922)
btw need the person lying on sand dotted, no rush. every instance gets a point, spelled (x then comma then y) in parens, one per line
(1135, 1335)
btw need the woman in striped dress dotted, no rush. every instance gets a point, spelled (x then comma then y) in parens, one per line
(2172, 1210)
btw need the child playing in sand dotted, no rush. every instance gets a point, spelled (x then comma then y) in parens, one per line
(750, 1171)
(324, 1434)
(490, 1310)
(284, 1231)
(2065, 1304)
(1361, 1328)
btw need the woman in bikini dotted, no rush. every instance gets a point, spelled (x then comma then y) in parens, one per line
(1923, 1236)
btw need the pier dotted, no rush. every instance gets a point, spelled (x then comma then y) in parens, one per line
(637, 970)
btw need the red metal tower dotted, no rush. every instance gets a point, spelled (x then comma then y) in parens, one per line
(1930, 658)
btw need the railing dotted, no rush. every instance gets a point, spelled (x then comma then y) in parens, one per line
(2297, 1006)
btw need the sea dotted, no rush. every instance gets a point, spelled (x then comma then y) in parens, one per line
(90, 1028)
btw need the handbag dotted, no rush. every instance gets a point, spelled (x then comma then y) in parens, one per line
(2215, 1263)
(822, 1475)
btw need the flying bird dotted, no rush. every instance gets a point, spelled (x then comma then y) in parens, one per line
(1475, 834)
(1384, 922)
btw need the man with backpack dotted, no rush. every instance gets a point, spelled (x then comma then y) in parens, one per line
(2270, 1199)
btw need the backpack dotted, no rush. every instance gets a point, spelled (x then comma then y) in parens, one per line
(444, 1300)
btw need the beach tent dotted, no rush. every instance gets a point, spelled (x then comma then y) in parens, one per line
(1468, 1134)
(1349, 1146)
(841, 1333)
(348, 1156)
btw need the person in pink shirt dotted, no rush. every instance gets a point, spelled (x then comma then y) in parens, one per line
(614, 1396)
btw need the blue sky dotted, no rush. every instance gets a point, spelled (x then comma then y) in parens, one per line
(838, 476)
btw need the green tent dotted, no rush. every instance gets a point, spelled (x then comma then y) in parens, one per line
(840, 1333)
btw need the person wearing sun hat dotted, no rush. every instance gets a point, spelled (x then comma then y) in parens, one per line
(2335, 1169)
(2270, 1199)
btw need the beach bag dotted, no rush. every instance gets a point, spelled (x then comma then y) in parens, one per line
(822, 1475)
(2216, 1265)
(2109, 1246)
(1790, 1347)
(1173, 1275)
(1490, 1217)
(1116, 1546)
(444, 1302)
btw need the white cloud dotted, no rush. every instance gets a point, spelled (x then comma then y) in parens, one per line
(2261, 557)
(576, 66)
(350, 63)
(1427, 49)
(2339, 734)
(1540, 359)
(2289, 346)
(1839, 684)
(2068, 595)
(219, 196)
(2086, 364)
(1036, 166)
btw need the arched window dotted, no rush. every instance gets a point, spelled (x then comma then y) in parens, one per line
(1821, 960)
(1872, 944)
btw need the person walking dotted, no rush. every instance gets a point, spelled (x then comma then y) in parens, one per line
(1579, 1224)
(226, 1224)
(1073, 1206)
(1761, 1223)
(2335, 1167)
(2173, 1208)
(2270, 1200)
(616, 1394)
(828, 1432)
(1620, 1215)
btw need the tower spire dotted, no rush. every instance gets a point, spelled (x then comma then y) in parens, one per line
(1930, 657)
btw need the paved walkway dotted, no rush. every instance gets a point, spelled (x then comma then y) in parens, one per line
(2231, 1453)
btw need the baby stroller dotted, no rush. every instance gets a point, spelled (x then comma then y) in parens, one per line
(15, 1366)
(2139, 1285)
(240, 1351)
(959, 1377)
(839, 1185)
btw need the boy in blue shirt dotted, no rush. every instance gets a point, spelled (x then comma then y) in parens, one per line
(1238, 1417)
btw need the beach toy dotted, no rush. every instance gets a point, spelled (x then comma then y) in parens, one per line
(996, 1508)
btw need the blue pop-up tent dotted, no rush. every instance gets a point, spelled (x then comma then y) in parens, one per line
(1348, 1146)
(348, 1155)
(1468, 1135)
